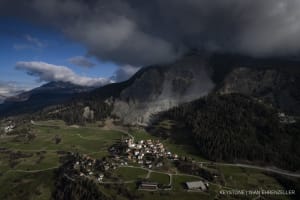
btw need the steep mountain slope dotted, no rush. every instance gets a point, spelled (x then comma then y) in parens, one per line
(162, 87)
(276, 86)
(159, 88)
(49, 94)
(149, 91)
(233, 127)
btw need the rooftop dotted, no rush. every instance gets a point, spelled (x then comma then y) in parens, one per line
(196, 185)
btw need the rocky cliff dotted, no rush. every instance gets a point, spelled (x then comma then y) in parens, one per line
(158, 88)
(162, 87)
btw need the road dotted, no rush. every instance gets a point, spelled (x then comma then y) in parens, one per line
(267, 169)
(120, 182)
(32, 171)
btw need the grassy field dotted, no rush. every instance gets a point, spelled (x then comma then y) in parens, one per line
(250, 179)
(19, 180)
(159, 178)
(42, 153)
(18, 185)
(129, 174)
(89, 140)
(180, 180)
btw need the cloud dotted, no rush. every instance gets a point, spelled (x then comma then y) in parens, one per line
(31, 43)
(124, 72)
(81, 61)
(8, 89)
(35, 41)
(48, 72)
(141, 33)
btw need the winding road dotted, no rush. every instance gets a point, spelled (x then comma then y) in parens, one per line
(267, 169)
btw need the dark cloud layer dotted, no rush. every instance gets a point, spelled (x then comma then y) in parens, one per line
(124, 73)
(81, 61)
(139, 32)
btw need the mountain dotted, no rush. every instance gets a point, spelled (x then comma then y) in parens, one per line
(157, 88)
(2, 98)
(232, 128)
(151, 90)
(160, 87)
(46, 95)
(279, 87)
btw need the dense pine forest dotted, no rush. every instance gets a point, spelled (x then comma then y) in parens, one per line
(236, 128)
(80, 113)
(77, 111)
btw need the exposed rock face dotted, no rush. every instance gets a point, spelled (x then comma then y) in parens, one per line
(160, 88)
(88, 113)
(278, 87)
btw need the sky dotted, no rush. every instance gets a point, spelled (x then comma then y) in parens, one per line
(25, 42)
(96, 42)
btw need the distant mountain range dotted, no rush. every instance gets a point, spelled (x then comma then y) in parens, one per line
(157, 88)
(2, 98)
(46, 95)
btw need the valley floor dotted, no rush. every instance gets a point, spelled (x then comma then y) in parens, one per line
(27, 167)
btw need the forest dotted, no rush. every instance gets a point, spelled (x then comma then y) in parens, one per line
(74, 112)
(235, 128)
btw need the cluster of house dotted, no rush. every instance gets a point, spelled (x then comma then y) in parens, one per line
(144, 152)
(89, 167)
(286, 119)
(9, 127)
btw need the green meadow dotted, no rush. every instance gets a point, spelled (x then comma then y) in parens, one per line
(27, 168)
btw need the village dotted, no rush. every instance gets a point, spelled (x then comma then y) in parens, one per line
(146, 154)
(286, 119)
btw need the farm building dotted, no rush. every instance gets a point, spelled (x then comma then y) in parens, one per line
(196, 185)
(148, 186)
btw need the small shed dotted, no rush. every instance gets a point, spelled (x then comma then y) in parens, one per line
(196, 185)
(148, 186)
